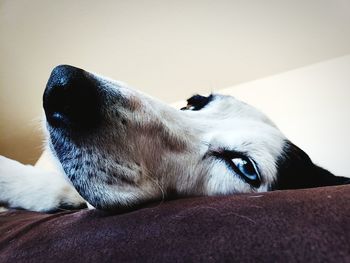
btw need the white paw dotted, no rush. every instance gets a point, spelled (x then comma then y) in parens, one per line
(30, 188)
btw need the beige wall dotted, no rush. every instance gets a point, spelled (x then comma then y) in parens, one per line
(169, 49)
(311, 105)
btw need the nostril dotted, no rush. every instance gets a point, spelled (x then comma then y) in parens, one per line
(71, 98)
(58, 119)
(57, 107)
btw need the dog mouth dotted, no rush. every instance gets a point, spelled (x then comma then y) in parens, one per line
(109, 139)
(104, 174)
(98, 177)
(75, 120)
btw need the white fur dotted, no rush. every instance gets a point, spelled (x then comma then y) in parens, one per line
(27, 187)
(161, 149)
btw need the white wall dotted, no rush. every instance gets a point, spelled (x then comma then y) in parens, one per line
(311, 105)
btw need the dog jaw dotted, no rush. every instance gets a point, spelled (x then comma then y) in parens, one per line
(143, 149)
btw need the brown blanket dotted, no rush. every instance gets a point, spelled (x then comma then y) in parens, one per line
(283, 226)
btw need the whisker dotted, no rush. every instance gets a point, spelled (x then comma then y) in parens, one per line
(157, 184)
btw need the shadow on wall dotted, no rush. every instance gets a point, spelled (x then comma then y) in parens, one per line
(25, 147)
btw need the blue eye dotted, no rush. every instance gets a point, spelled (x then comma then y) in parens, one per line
(242, 166)
(247, 169)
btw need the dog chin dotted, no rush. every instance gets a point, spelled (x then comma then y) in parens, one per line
(105, 187)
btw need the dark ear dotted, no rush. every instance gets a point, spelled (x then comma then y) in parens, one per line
(296, 170)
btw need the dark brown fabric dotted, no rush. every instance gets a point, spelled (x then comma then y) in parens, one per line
(283, 226)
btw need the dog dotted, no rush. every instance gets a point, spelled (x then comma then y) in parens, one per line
(115, 147)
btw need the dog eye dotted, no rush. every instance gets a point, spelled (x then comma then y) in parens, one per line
(247, 169)
(197, 102)
(242, 165)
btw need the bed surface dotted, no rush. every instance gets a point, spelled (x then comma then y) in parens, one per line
(311, 225)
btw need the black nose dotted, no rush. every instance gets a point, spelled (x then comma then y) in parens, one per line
(71, 98)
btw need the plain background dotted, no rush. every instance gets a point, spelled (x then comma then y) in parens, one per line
(169, 49)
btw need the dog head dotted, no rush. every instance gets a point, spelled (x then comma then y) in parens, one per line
(120, 147)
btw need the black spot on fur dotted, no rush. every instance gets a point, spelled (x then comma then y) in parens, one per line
(198, 102)
(296, 170)
(111, 181)
(91, 175)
